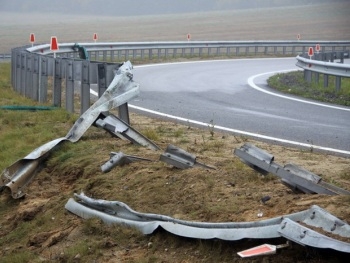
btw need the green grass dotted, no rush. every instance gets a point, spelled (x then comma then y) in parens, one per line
(294, 83)
(38, 127)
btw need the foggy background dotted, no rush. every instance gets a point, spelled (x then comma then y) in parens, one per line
(144, 7)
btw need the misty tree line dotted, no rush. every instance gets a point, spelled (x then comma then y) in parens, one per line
(145, 7)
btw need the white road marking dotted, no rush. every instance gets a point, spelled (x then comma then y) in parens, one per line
(254, 86)
(256, 135)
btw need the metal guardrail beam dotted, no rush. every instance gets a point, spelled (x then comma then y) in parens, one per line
(335, 69)
(294, 226)
(103, 46)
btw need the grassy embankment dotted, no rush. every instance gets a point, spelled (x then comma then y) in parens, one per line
(294, 83)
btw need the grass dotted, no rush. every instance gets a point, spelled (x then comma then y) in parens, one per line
(294, 83)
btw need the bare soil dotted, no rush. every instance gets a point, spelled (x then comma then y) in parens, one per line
(43, 229)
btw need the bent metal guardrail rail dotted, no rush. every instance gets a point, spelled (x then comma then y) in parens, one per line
(39, 75)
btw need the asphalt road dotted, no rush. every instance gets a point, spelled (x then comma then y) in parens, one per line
(233, 96)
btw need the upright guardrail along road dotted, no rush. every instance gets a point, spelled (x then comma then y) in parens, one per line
(323, 63)
(38, 72)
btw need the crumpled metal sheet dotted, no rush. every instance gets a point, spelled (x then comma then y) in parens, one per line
(288, 226)
(122, 89)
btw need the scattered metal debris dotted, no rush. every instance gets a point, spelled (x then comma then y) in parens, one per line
(122, 89)
(180, 158)
(118, 127)
(292, 175)
(293, 227)
(265, 199)
(119, 158)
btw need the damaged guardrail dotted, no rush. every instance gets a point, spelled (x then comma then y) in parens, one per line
(122, 89)
(292, 175)
(295, 227)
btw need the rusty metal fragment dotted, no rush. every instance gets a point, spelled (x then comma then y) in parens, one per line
(180, 158)
(119, 158)
(122, 89)
(295, 227)
(293, 176)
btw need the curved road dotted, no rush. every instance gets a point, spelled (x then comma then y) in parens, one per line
(233, 95)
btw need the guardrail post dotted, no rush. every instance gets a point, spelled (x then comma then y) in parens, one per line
(13, 68)
(43, 73)
(112, 55)
(337, 83)
(57, 83)
(18, 72)
(325, 80)
(35, 92)
(317, 77)
(23, 73)
(307, 75)
(70, 86)
(85, 87)
(101, 80)
(174, 52)
(29, 76)
(123, 113)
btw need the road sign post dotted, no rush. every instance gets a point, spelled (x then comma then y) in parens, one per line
(54, 46)
(32, 38)
(311, 52)
(318, 48)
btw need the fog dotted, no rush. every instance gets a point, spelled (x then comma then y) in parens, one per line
(144, 7)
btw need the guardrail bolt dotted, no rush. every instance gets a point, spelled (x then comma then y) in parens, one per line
(302, 235)
(313, 215)
(334, 227)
